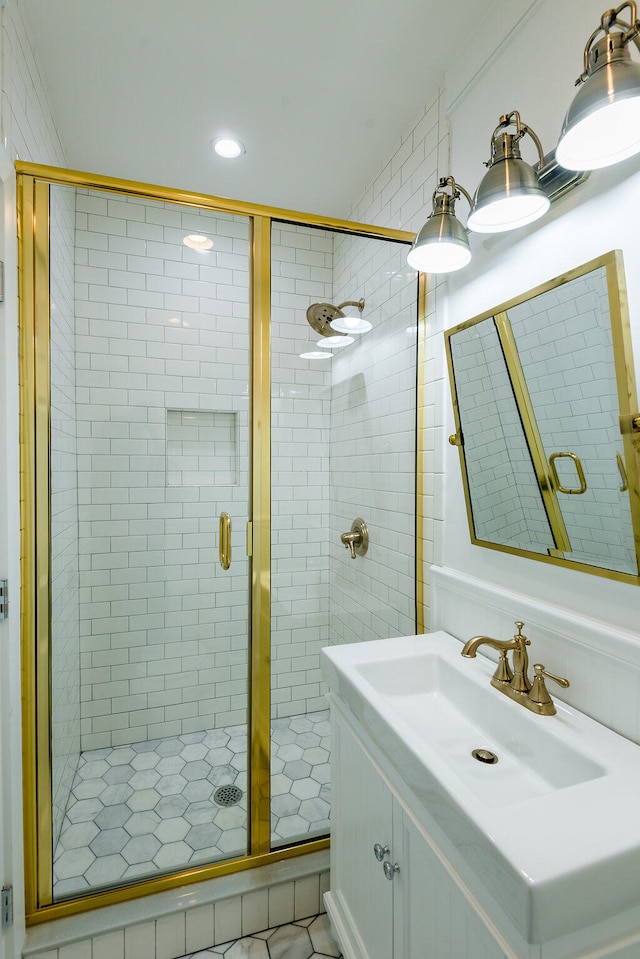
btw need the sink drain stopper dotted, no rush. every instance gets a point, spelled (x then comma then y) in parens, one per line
(485, 756)
(227, 795)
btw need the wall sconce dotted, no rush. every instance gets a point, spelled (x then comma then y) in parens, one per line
(509, 194)
(602, 125)
(442, 245)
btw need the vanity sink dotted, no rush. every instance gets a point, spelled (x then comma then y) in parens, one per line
(449, 712)
(551, 829)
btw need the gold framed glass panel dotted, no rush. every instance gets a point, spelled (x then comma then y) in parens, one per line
(165, 504)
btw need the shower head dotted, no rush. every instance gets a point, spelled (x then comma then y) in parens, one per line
(320, 316)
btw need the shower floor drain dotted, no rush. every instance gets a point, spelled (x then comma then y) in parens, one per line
(227, 795)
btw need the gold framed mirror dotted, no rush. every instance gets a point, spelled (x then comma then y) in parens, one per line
(547, 428)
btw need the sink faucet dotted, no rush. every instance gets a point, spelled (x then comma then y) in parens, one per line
(516, 683)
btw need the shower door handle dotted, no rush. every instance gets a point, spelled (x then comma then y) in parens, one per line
(578, 465)
(623, 474)
(225, 540)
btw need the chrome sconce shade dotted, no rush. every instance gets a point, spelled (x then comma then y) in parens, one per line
(442, 245)
(509, 194)
(602, 125)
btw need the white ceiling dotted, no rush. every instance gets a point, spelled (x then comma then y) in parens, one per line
(319, 92)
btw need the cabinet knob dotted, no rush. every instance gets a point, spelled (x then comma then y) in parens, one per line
(380, 851)
(390, 870)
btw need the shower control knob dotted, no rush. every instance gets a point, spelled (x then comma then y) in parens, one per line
(390, 869)
(380, 851)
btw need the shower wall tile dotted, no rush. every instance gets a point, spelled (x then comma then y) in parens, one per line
(159, 327)
(65, 604)
(29, 129)
(399, 196)
(373, 431)
(302, 261)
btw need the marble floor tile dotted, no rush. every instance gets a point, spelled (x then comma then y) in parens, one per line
(151, 807)
(305, 939)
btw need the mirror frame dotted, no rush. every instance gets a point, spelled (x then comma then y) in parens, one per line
(629, 418)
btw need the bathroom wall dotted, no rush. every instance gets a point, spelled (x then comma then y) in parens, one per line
(302, 266)
(162, 405)
(28, 131)
(373, 443)
(65, 605)
(505, 498)
(565, 344)
(597, 217)
(400, 197)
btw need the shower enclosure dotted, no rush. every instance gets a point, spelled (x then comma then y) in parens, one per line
(186, 479)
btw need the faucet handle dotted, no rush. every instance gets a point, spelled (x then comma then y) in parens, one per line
(539, 693)
(541, 671)
(527, 642)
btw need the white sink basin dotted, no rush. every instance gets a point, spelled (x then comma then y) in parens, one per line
(452, 713)
(552, 829)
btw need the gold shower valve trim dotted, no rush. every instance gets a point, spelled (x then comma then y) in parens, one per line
(357, 539)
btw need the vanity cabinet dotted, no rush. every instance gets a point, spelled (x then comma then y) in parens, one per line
(421, 909)
(493, 862)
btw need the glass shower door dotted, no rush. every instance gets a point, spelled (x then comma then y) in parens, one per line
(343, 446)
(149, 359)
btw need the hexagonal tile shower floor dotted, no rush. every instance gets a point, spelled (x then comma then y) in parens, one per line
(138, 810)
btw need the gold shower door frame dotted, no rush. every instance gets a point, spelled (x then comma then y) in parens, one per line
(33, 234)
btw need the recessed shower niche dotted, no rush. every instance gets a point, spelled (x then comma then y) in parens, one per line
(202, 448)
(187, 476)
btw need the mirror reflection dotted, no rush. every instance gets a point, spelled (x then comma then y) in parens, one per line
(544, 402)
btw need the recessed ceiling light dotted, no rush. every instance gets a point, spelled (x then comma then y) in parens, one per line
(315, 355)
(196, 241)
(228, 147)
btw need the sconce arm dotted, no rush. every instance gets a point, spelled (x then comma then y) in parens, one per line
(514, 119)
(457, 189)
(536, 140)
(609, 19)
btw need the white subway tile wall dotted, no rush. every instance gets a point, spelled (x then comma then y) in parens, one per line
(159, 327)
(373, 443)
(28, 133)
(565, 345)
(28, 126)
(202, 448)
(65, 597)
(302, 267)
(400, 197)
(505, 497)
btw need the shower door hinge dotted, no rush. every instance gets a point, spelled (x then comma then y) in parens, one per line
(4, 599)
(249, 539)
(6, 907)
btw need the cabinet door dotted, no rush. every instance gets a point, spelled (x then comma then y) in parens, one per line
(362, 806)
(433, 917)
